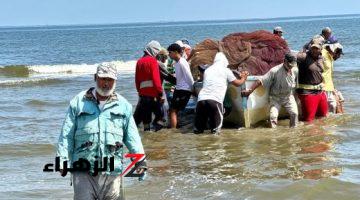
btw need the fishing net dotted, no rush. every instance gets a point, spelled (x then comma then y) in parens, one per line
(256, 52)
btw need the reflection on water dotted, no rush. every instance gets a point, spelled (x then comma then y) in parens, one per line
(244, 154)
(244, 163)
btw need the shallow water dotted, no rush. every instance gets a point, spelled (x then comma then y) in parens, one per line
(319, 161)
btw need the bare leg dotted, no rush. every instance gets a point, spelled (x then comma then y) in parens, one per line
(173, 118)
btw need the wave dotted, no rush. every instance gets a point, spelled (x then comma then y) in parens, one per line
(40, 103)
(27, 71)
(38, 75)
(31, 82)
(14, 71)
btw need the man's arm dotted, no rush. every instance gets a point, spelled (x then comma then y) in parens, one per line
(266, 80)
(132, 139)
(65, 146)
(187, 73)
(156, 77)
(165, 74)
(137, 82)
(251, 90)
(241, 80)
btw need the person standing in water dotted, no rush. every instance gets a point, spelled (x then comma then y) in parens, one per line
(184, 83)
(149, 87)
(281, 82)
(330, 54)
(98, 124)
(209, 107)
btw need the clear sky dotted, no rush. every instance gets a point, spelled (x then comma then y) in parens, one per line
(58, 12)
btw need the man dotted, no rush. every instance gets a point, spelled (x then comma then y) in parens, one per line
(210, 99)
(319, 39)
(98, 123)
(330, 53)
(278, 31)
(310, 88)
(149, 87)
(184, 83)
(281, 82)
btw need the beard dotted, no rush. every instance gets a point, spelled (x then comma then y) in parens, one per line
(105, 92)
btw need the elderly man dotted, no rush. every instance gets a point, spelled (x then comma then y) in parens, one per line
(98, 123)
(330, 53)
(149, 87)
(281, 82)
(310, 88)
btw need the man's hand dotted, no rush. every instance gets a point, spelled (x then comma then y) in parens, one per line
(244, 74)
(140, 170)
(62, 172)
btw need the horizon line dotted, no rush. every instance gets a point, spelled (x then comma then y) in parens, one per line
(180, 22)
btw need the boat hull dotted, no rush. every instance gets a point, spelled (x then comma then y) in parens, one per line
(248, 111)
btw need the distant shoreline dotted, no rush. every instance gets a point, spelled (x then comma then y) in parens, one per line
(188, 22)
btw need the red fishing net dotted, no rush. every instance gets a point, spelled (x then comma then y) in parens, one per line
(256, 52)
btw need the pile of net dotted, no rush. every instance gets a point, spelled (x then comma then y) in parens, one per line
(256, 52)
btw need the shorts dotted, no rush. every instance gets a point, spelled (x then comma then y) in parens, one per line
(180, 99)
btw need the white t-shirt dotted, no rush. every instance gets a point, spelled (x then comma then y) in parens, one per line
(184, 79)
(101, 103)
(216, 78)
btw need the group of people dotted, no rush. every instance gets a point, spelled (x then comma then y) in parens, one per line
(99, 121)
(307, 76)
(304, 78)
(149, 77)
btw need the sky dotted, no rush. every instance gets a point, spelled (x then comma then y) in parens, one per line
(65, 12)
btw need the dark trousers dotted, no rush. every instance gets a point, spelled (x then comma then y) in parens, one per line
(208, 111)
(145, 108)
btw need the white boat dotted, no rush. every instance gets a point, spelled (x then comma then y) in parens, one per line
(248, 111)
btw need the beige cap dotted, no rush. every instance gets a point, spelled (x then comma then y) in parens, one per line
(107, 70)
(316, 45)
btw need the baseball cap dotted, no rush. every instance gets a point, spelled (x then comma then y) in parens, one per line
(107, 70)
(185, 41)
(336, 47)
(180, 43)
(278, 29)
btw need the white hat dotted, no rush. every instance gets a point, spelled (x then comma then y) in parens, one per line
(278, 29)
(180, 43)
(335, 46)
(186, 46)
